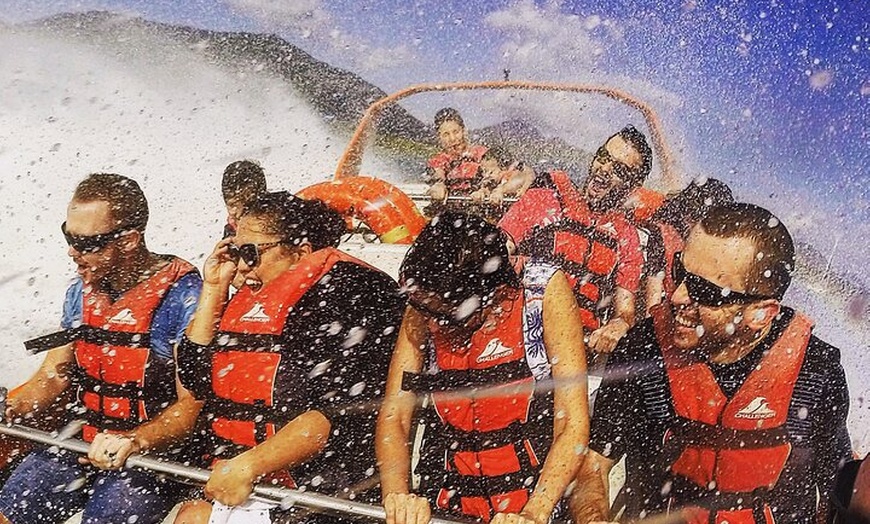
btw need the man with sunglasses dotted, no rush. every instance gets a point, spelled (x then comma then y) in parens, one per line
(724, 404)
(587, 234)
(121, 318)
(289, 367)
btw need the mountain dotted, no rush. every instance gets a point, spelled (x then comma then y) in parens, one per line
(340, 96)
(525, 141)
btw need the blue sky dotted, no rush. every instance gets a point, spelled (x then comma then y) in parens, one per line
(772, 96)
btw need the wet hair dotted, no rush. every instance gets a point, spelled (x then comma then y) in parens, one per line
(297, 220)
(243, 180)
(770, 274)
(638, 141)
(459, 256)
(690, 205)
(501, 156)
(448, 114)
(127, 202)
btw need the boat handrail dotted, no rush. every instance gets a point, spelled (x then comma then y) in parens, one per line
(284, 496)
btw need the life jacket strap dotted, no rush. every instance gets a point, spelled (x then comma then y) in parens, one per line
(451, 379)
(89, 334)
(475, 440)
(262, 343)
(486, 487)
(687, 432)
(231, 410)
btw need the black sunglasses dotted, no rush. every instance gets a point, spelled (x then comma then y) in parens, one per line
(250, 253)
(703, 292)
(92, 243)
(621, 170)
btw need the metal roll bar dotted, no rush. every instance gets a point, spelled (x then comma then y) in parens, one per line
(284, 496)
(350, 161)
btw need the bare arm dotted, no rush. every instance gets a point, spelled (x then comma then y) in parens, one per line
(170, 426)
(605, 338)
(232, 481)
(394, 427)
(590, 501)
(217, 274)
(654, 291)
(45, 386)
(563, 337)
(394, 419)
(623, 306)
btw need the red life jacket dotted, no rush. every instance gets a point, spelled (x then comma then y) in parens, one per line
(584, 244)
(461, 173)
(119, 382)
(247, 352)
(737, 447)
(673, 244)
(495, 442)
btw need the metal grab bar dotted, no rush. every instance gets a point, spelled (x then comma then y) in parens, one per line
(284, 496)
(458, 198)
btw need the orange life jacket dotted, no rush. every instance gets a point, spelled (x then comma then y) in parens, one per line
(119, 382)
(248, 350)
(495, 440)
(461, 173)
(584, 243)
(735, 448)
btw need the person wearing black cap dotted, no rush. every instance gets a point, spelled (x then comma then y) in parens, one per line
(507, 424)
(281, 367)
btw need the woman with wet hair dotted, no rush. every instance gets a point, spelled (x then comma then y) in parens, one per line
(282, 366)
(500, 356)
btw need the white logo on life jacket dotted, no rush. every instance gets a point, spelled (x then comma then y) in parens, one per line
(256, 314)
(125, 316)
(608, 227)
(493, 351)
(757, 409)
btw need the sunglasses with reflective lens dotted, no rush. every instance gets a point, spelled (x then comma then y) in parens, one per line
(621, 170)
(92, 243)
(705, 293)
(250, 253)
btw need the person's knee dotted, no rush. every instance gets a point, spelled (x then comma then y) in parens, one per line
(192, 512)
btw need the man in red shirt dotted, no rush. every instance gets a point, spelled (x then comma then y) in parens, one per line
(587, 234)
